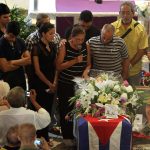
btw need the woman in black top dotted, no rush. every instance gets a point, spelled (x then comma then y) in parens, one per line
(73, 61)
(43, 59)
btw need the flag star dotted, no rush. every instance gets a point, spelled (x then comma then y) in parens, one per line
(104, 120)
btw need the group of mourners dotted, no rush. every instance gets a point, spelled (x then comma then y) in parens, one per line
(51, 63)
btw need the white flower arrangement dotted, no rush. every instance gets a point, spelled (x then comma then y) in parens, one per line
(143, 9)
(93, 95)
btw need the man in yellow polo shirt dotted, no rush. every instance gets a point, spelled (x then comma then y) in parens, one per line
(136, 40)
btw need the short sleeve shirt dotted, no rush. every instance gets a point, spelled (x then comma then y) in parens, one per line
(137, 39)
(12, 52)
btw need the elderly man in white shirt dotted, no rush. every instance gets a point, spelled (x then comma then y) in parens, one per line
(18, 114)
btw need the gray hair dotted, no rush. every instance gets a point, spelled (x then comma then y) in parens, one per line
(4, 89)
(128, 3)
(109, 28)
(16, 97)
(39, 19)
(77, 30)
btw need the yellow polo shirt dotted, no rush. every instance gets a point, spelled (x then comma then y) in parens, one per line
(137, 39)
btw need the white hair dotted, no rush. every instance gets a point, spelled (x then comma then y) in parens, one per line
(4, 89)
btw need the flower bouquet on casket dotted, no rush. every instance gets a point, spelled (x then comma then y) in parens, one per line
(104, 96)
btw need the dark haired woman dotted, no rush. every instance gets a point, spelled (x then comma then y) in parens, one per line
(43, 60)
(73, 61)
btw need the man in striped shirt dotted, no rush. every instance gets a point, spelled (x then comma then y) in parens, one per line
(109, 53)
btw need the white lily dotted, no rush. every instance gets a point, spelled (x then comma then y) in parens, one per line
(129, 89)
(117, 88)
(124, 96)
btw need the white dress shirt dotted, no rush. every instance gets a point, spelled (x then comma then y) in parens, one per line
(14, 116)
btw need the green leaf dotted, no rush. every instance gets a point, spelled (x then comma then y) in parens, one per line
(19, 14)
(73, 99)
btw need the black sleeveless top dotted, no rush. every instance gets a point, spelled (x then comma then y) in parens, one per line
(46, 62)
(67, 75)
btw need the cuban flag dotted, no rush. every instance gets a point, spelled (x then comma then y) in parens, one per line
(104, 134)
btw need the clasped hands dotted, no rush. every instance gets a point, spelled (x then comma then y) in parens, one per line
(79, 58)
(52, 87)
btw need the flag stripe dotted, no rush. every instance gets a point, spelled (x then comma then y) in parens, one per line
(114, 142)
(93, 138)
(83, 135)
(119, 140)
(126, 135)
(104, 147)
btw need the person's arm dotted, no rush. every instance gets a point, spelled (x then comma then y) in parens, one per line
(62, 42)
(6, 65)
(125, 60)
(125, 68)
(24, 60)
(33, 99)
(61, 65)
(142, 45)
(87, 69)
(55, 78)
(42, 117)
(137, 57)
(26, 54)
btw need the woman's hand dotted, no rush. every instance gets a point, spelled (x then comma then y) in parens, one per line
(85, 74)
(79, 59)
(52, 87)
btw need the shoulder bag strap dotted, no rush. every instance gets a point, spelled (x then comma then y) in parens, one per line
(128, 31)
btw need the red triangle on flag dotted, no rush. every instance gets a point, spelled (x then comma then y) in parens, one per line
(103, 128)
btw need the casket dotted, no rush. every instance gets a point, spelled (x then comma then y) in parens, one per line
(103, 134)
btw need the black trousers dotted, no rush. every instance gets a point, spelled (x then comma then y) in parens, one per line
(65, 92)
(46, 101)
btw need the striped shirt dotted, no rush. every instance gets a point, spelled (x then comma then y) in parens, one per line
(34, 38)
(108, 57)
(67, 75)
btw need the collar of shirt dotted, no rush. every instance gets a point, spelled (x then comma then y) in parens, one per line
(119, 25)
(106, 43)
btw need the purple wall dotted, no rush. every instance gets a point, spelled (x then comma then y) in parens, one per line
(62, 24)
(79, 5)
(76, 6)
(100, 21)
